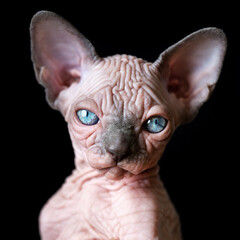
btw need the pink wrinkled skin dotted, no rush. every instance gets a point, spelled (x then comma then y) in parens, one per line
(115, 191)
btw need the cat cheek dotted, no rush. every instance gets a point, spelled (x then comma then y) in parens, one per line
(156, 156)
(91, 139)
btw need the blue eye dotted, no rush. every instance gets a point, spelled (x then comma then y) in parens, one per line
(87, 117)
(155, 124)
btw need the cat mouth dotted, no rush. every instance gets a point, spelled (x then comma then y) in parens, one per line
(123, 169)
(115, 167)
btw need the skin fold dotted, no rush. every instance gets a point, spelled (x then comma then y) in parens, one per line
(115, 191)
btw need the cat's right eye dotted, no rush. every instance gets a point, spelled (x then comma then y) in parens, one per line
(155, 124)
(87, 117)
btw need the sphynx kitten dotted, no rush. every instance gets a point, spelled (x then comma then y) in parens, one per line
(121, 111)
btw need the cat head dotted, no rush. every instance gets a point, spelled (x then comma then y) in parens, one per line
(121, 110)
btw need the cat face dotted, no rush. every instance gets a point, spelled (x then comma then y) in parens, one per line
(124, 121)
(121, 111)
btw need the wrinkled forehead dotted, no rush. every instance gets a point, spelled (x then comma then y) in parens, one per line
(123, 71)
(121, 85)
(124, 74)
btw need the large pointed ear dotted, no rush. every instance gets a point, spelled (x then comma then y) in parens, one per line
(60, 54)
(190, 69)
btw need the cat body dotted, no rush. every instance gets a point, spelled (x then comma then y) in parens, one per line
(97, 208)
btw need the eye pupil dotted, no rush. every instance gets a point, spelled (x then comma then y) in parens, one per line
(155, 124)
(87, 117)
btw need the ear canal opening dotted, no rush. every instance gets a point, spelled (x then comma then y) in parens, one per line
(69, 77)
(178, 87)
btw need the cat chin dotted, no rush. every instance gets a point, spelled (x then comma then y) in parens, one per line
(119, 172)
(115, 173)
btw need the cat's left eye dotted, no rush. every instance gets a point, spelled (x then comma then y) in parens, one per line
(155, 124)
(87, 117)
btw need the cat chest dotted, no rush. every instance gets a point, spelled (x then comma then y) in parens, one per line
(98, 213)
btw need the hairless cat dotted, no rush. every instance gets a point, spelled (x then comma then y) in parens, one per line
(121, 111)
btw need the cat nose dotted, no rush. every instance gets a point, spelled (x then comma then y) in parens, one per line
(119, 138)
(118, 149)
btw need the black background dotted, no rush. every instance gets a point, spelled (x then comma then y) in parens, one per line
(199, 167)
